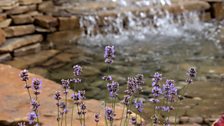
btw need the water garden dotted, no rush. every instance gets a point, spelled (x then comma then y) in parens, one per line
(112, 62)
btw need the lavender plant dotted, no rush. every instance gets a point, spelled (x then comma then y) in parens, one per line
(163, 97)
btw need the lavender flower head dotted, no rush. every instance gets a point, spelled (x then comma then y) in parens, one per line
(97, 117)
(126, 100)
(81, 95)
(32, 117)
(109, 54)
(57, 96)
(109, 114)
(113, 88)
(133, 120)
(63, 107)
(139, 105)
(36, 85)
(107, 78)
(66, 85)
(170, 91)
(192, 72)
(156, 78)
(156, 91)
(24, 75)
(35, 105)
(77, 70)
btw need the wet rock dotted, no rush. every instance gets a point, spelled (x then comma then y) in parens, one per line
(2, 37)
(27, 50)
(14, 31)
(5, 23)
(184, 119)
(46, 21)
(8, 4)
(5, 57)
(198, 120)
(58, 38)
(21, 9)
(46, 7)
(14, 43)
(33, 59)
(28, 2)
(68, 23)
(64, 57)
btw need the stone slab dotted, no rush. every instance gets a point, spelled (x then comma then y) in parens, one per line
(28, 2)
(2, 37)
(68, 23)
(46, 21)
(5, 57)
(14, 31)
(46, 7)
(27, 50)
(21, 9)
(63, 37)
(8, 4)
(5, 23)
(26, 18)
(33, 59)
(15, 43)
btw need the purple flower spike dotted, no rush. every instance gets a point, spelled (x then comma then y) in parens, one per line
(35, 105)
(156, 91)
(97, 117)
(24, 75)
(139, 105)
(66, 85)
(36, 85)
(109, 54)
(57, 96)
(77, 70)
(32, 117)
(81, 95)
(109, 113)
(113, 88)
(192, 72)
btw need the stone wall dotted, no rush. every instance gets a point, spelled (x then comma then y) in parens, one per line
(27, 26)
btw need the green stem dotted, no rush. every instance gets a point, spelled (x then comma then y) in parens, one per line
(122, 115)
(79, 115)
(72, 115)
(28, 91)
(58, 114)
(62, 120)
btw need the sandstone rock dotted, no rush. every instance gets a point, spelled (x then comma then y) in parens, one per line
(45, 30)
(8, 4)
(22, 9)
(5, 57)
(14, 43)
(46, 7)
(2, 17)
(14, 31)
(46, 21)
(33, 59)
(198, 120)
(63, 36)
(27, 50)
(5, 23)
(25, 18)
(2, 37)
(184, 119)
(68, 23)
(218, 10)
(28, 2)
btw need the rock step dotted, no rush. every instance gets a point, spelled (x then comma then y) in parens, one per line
(14, 31)
(21, 9)
(14, 43)
(26, 18)
(30, 49)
